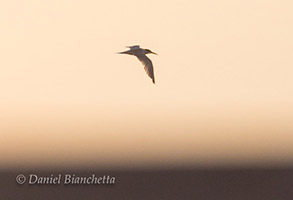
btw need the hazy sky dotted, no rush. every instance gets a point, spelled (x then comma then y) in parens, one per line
(223, 93)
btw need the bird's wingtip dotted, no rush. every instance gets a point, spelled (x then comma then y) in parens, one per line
(133, 46)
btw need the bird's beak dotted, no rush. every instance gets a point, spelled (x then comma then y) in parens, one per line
(154, 53)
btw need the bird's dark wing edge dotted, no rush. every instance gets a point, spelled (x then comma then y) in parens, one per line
(148, 66)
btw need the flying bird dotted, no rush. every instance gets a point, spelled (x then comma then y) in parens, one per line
(141, 55)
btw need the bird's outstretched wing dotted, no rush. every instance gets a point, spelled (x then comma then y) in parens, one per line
(133, 47)
(148, 65)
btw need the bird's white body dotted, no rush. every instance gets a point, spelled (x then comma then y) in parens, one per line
(141, 55)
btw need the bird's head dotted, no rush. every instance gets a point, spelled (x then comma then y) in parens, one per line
(149, 51)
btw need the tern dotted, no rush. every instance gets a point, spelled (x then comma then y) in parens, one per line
(141, 55)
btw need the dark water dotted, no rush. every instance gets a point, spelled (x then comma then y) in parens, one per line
(179, 184)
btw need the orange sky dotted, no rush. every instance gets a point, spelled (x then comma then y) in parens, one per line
(223, 88)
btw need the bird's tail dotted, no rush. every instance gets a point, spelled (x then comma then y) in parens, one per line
(125, 52)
